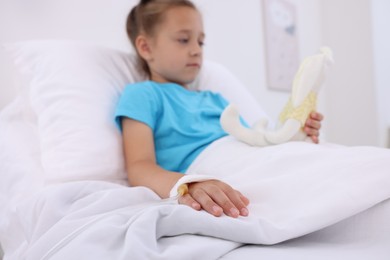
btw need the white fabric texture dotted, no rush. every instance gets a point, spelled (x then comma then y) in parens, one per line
(298, 187)
(295, 189)
(73, 91)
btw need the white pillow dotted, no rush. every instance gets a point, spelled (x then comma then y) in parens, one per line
(217, 78)
(74, 88)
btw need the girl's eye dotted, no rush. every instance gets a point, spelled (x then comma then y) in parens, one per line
(201, 43)
(183, 41)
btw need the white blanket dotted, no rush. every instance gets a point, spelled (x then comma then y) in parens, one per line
(294, 188)
(297, 188)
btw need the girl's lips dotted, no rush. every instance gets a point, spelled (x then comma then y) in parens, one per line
(197, 65)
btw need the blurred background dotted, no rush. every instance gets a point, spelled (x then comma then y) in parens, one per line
(354, 100)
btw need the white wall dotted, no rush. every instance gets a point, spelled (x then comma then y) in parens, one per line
(351, 93)
(381, 40)
(235, 38)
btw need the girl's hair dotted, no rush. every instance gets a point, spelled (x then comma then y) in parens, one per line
(144, 18)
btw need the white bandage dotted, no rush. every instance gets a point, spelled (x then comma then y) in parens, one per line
(188, 179)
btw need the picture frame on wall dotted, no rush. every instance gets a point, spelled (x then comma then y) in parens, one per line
(281, 43)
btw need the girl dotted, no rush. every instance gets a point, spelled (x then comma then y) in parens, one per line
(165, 125)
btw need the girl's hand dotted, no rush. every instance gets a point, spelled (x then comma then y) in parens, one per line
(215, 197)
(313, 126)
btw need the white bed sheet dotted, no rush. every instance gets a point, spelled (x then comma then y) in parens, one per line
(97, 219)
(361, 237)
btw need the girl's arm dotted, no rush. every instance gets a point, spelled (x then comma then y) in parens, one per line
(213, 196)
(141, 166)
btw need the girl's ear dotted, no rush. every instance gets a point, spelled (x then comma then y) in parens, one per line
(143, 47)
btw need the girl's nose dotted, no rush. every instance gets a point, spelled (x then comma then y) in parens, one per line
(196, 50)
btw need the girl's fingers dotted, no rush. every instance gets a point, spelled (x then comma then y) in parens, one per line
(227, 202)
(217, 197)
(208, 204)
(316, 116)
(203, 200)
(243, 198)
(315, 139)
(188, 200)
(312, 123)
(239, 201)
(311, 131)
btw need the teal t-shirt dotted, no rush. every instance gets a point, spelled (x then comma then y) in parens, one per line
(184, 122)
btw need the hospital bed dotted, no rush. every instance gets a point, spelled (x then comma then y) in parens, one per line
(64, 191)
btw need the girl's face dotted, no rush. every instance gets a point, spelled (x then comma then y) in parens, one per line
(176, 48)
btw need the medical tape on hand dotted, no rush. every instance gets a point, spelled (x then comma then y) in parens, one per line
(181, 187)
